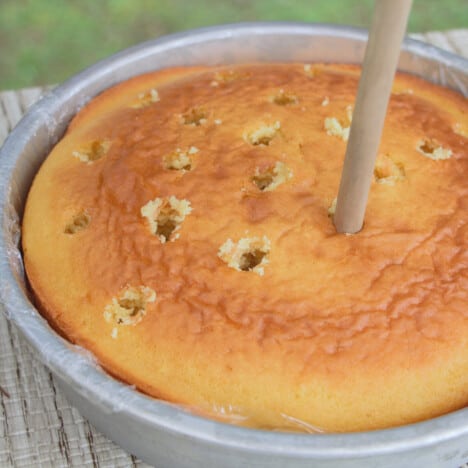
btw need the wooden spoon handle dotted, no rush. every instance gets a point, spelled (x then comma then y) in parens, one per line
(383, 49)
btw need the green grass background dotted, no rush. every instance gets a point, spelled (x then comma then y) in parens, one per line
(46, 41)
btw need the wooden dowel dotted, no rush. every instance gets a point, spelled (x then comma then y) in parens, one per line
(383, 49)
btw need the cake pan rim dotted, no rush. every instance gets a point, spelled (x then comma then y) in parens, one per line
(387, 440)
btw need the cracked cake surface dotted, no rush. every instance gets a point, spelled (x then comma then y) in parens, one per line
(182, 231)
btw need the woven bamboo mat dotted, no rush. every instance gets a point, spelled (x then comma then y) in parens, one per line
(38, 427)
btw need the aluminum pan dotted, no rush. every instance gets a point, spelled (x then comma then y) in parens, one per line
(158, 432)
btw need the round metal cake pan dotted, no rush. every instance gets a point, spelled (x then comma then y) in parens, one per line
(160, 433)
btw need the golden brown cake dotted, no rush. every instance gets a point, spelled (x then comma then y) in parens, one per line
(182, 231)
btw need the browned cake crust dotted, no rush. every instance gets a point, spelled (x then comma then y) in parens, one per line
(181, 231)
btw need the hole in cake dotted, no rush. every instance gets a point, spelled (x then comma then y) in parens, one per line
(166, 224)
(248, 254)
(179, 160)
(340, 129)
(250, 260)
(433, 150)
(78, 223)
(263, 135)
(387, 171)
(195, 117)
(228, 76)
(165, 216)
(263, 180)
(146, 98)
(272, 177)
(92, 151)
(284, 99)
(130, 306)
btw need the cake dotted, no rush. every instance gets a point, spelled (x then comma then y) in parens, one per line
(182, 231)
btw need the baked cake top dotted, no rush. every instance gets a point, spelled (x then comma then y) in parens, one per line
(182, 231)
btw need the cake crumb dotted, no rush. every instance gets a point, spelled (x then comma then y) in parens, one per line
(146, 98)
(262, 135)
(332, 208)
(311, 70)
(326, 101)
(129, 307)
(404, 91)
(340, 129)
(179, 160)
(334, 128)
(387, 171)
(218, 121)
(92, 151)
(460, 130)
(165, 216)
(269, 179)
(114, 333)
(194, 117)
(433, 150)
(78, 223)
(248, 254)
(228, 76)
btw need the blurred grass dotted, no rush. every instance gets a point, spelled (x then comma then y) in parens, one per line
(46, 41)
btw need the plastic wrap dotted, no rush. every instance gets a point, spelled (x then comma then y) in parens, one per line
(40, 129)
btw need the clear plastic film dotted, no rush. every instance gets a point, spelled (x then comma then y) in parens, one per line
(46, 122)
